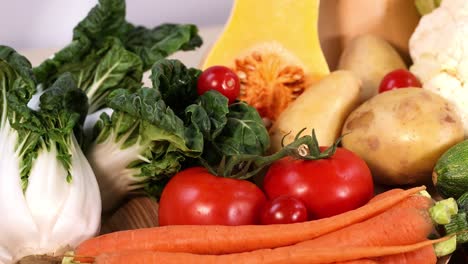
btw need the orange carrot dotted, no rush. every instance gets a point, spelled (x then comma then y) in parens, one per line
(425, 255)
(385, 194)
(400, 225)
(232, 239)
(283, 255)
(359, 261)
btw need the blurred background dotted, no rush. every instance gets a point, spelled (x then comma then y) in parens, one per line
(30, 24)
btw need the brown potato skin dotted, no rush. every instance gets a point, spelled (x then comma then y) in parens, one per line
(402, 133)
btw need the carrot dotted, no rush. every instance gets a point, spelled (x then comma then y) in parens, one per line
(385, 194)
(283, 255)
(359, 261)
(403, 224)
(425, 255)
(231, 239)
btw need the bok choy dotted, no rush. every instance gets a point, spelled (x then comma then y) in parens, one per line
(140, 146)
(48, 190)
(107, 52)
(153, 133)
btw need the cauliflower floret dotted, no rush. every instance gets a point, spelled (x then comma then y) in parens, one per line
(439, 50)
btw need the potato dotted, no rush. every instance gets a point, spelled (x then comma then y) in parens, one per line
(370, 58)
(402, 133)
(342, 20)
(323, 107)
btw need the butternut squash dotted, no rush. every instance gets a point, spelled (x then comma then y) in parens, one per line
(274, 48)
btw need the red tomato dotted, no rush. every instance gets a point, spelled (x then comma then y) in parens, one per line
(398, 79)
(221, 79)
(283, 209)
(328, 187)
(196, 197)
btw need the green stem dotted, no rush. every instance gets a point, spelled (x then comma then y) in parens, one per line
(305, 147)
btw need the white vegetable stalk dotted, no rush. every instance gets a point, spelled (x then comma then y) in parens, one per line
(52, 215)
(110, 164)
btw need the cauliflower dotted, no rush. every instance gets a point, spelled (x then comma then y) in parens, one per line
(439, 50)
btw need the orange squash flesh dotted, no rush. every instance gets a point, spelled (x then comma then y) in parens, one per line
(274, 47)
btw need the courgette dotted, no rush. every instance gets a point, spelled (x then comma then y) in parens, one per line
(450, 174)
(459, 222)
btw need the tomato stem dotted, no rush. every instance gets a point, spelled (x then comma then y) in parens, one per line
(246, 166)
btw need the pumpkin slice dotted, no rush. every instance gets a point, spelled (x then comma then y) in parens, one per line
(274, 48)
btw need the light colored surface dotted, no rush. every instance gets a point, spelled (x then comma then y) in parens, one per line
(26, 24)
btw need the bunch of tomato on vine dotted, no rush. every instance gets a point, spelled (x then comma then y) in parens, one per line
(303, 181)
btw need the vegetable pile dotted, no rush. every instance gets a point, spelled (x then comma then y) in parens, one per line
(364, 234)
(47, 184)
(327, 175)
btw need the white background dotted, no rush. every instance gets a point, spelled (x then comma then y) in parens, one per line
(30, 24)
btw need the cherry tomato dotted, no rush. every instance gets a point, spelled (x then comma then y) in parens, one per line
(328, 186)
(283, 209)
(196, 197)
(398, 79)
(221, 79)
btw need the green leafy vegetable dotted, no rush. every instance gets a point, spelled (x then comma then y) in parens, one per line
(42, 165)
(107, 52)
(140, 146)
(20, 128)
(244, 132)
(176, 83)
(154, 132)
(157, 43)
(209, 115)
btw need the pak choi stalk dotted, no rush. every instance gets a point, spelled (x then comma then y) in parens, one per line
(47, 188)
(139, 147)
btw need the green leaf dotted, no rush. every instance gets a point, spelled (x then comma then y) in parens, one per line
(17, 85)
(244, 132)
(105, 68)
(106, 19)
(152, 141)
(177, 83)
(209, 115)
(23, 69)
(157, 43)
(147, 105)
(63, 106)
(108, 53)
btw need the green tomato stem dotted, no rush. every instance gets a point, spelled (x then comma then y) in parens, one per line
(246, 166)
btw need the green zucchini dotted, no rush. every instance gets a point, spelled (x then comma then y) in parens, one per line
(450, 175)
(459, 222)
